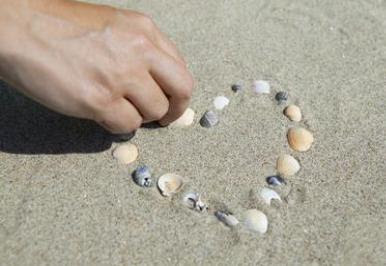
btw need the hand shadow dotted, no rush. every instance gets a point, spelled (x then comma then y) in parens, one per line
(29, 128)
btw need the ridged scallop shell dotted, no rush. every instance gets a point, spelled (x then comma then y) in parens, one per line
(287, 165)
(293, 113)
(126, 153)
(261, 86)
(170, 184)
(185, 120)
(268, 194)
(300, 139)
(227, 218)
(256, 220)
(220, 102)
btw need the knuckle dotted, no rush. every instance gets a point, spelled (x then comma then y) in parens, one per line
(142, 43)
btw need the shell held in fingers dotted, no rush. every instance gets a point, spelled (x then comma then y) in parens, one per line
(300, 139)
(142, 176)
(268, 195)
(227, 218)
(293, 113)
(126, 153)
(185, 120)
(256, 221)
(169, 184)
(287, 165)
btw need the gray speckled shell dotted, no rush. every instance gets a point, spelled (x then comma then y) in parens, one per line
(209, 119)
(142, 176)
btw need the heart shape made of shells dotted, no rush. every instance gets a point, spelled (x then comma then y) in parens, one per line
(299, 138)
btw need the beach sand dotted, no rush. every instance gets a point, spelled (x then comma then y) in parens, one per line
(65, 201)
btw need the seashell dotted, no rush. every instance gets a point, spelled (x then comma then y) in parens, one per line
(126, 137)
(293, 113)
(193, 201)
(275, 180)
(268, 194)
(300, 139)
(220, 102)
(227, 218)
(170, 184)
(209, 119)
(261, 86)
(281, 97)
(256, 220)
(236, 87)
(287, 165)
(142, 176)
(185, 120)
(126, 153)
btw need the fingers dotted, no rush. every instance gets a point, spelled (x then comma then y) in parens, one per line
(148, 98)
(176, 82)
(120, 117)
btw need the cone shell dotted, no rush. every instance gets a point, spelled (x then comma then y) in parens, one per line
(286, 165)
(256, 220)
(293, 113)
(170, 184)
(185, 120)
(300, 139)
(126, 153)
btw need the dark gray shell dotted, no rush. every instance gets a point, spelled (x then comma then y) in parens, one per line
(209, 119)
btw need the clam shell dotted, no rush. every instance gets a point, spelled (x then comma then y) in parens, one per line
(293, 113)
(193, 201)
(268, 194)
(126, 153)
(261, 86)
(209, 119)
(256, 220)
(275, 180)
(185, 120)
(220, 102)
(142, 176)
(227, 218)
(287, 165)
(300, 139)
(170, 184)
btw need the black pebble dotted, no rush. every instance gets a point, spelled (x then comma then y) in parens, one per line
(236, 87)
(281, 97)
(125, 137)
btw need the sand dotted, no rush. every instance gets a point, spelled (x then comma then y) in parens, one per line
(65, 201)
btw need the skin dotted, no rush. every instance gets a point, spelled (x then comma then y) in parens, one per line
(95, 62)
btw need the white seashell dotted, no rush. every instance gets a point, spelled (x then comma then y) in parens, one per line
(170, 184)
(287, 165)
(293, 113)
(126, 153)
(256, 220)
(300, 139)
(185, 120)
(193, 201)
(268, 194)
(209, 119)
(261, 86)
(227, 218)
(220, 102)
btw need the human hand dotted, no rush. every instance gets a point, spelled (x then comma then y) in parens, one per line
(95, 62)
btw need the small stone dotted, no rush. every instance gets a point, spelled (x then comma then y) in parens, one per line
(293, 113)
(142, 176)
(126, 137)
(281, 97)
(275, 180)
(261, 86)
(256, 220)
(126, 153)
(227, 218)
(236, 87)
(209, 119)
(185, 120)
(220, 102)
(287, 165)
(300, 139)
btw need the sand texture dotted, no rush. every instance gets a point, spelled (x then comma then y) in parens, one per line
(64, 200)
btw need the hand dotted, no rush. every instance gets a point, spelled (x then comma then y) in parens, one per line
(95, 62)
